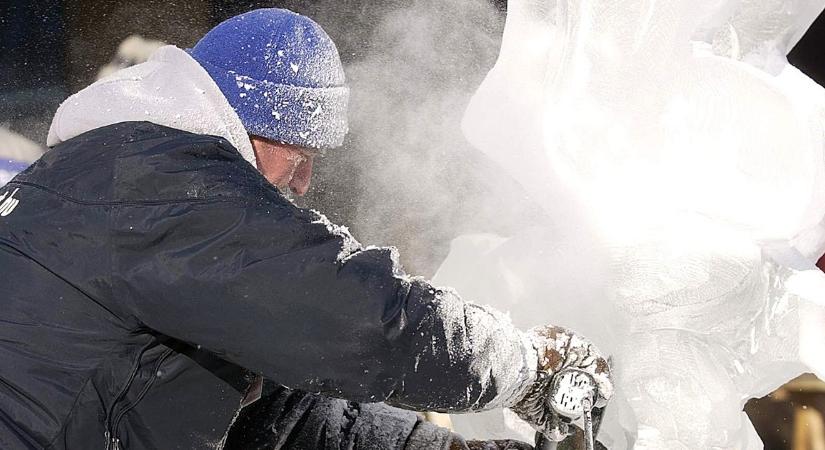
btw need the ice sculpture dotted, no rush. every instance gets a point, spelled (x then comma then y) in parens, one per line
(680, 161)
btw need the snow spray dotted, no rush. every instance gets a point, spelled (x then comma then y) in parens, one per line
(650, 175)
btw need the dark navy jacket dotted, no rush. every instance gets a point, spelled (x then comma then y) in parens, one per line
(148, 273)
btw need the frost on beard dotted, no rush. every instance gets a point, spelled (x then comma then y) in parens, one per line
(679, 158)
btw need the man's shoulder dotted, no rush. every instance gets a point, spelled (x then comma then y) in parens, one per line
(143, 161)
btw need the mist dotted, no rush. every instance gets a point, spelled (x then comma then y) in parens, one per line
(407, 177)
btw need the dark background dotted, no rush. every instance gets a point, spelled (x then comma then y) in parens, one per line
(52, 48)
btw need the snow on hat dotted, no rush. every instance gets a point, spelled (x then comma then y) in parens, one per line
(281, 73)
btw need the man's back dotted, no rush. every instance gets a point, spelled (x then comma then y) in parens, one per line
(53, 338)
(76, 359)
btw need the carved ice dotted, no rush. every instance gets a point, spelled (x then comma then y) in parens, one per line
(680, 161)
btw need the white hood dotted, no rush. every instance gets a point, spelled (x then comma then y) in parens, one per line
(170, 89)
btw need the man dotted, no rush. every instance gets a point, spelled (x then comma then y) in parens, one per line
(151, 275)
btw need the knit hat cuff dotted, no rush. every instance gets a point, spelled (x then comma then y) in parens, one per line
(302, 116)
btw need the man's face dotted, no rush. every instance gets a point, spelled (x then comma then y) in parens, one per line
(286, 166)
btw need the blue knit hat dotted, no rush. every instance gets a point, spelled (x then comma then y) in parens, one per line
(282, 74)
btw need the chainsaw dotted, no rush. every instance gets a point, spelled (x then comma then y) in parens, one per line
(572, 395)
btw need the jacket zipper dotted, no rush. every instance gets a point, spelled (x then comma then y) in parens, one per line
(121, 393)
(112, 436)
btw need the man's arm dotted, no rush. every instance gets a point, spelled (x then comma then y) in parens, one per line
(283, 292)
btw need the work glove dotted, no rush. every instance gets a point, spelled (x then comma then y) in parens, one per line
(559, 349)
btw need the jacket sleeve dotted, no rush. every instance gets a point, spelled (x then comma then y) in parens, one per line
(285, 293)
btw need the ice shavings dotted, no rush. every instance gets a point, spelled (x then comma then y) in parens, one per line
(310, 98)
(246, 86)
(349, 245)
(504, 357)
(316, 119)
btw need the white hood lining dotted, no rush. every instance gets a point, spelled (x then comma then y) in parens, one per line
(170, 89)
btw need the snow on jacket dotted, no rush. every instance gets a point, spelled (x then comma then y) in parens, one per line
(148, 271)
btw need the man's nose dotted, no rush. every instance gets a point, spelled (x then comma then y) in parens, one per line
(299, 184)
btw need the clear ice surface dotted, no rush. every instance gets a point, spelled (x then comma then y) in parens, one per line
(679, 159)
